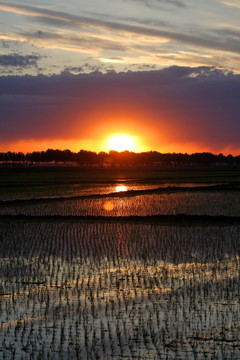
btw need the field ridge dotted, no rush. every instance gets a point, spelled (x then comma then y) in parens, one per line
(161, 219)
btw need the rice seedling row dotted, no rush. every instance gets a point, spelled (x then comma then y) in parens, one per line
(89, 290)
(201, 203)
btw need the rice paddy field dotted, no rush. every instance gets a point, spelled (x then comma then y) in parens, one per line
(119, 264)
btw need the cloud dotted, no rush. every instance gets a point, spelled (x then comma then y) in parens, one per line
(177, 3)
(16, 60)
(72, 41)
(210, 39)
(156, 3)
(232, 3)
(177, 105)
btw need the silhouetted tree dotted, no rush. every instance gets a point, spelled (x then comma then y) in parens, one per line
(122, 159)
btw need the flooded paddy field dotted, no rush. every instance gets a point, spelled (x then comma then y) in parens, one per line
(113, 286)
(225, 203)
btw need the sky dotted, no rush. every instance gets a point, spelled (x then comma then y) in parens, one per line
(164, 72)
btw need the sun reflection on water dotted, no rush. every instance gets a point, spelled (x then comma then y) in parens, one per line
(108, 206)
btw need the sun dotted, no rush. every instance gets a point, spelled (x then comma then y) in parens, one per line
(121, 143)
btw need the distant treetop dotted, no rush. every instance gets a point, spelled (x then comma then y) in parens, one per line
(121, 159)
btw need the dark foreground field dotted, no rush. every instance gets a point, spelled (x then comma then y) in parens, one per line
(119, 265)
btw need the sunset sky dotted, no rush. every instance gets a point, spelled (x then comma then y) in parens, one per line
(165, 73)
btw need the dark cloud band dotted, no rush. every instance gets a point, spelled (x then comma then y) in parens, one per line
(198, 105)
(15, 60)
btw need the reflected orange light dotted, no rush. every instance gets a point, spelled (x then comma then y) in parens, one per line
(121, 188)
(108, 206)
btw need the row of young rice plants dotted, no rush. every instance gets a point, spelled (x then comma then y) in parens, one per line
(200, 203)
(102, 290)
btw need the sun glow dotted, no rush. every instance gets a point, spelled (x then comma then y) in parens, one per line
(122, 143)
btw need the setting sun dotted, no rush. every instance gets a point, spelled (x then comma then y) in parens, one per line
(122, 143)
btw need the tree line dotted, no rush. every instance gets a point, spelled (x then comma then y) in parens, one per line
(120, 159)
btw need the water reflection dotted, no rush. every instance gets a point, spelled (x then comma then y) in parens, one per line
(108, 206)
(121, 188)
